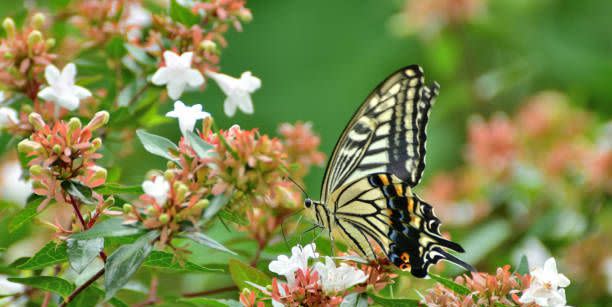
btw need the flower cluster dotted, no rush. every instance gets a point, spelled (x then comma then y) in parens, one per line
(24, 54)
(534, 146)
(546, 286)
(502, 288)
(427, 18)
(63, 151)
(317, 284)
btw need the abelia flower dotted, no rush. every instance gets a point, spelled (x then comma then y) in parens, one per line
(546, 286)
(177, 74)
(287, 266)
(187, 116)
(157, 188)
(13, 187)
(8, 117)
(237, 90)
(63, 151)
(62, 89)
(337, 279)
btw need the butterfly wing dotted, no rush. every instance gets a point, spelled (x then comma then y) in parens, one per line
(380, 213)
(386, 134)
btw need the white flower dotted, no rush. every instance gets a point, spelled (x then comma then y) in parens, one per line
(544, 288)
(177, 74)
(187, 116)
(9, 288)
(62, 90)
(157, 189)
(287, 266)
(7, 116)
(238, 91)
(137, 16)
(12, 186)
(335, 279)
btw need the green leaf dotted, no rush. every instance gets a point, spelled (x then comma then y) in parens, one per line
(25, 215)
(78, 190)
(47, 283)
(233, 217)
(115, 47)
(50, 254)
(485, 239)
(209, 302)
(156, 144)
(89, 297)
(392, 302)
(125, 261)
(139, 54)
(163, 260)
(203, 239)
(182, 14)
(217, 203)
(82, 252)
(523, 267)
(202, 149)
(242, 272)
(457, 288)
(112, 227)
(115, 188)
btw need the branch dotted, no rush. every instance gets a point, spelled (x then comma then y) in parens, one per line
(210, 292)
(82, 287)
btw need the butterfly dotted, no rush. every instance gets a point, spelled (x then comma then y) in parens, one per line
(366, 198)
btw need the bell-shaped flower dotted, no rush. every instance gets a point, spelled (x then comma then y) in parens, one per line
(62, 90)
(187, 116)
(7, 116)
(12, 186)
(238, 91)
(336, 279)
(546, 286)
(287, 266)
(177, 74)
(158, 189)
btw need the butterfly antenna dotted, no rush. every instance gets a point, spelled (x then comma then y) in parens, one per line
(283, 226)
(299, 186)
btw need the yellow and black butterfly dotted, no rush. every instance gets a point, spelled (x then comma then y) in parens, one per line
(366, 197)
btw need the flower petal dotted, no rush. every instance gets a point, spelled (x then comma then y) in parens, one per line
(185, 59)
(69, 72)
(81, 92)
(171, 58)
(70, 102)
(175, 89)
(229, 107)
(161, 76)
(245, 103)
(194, 78)
(52, 74)
(48, 93)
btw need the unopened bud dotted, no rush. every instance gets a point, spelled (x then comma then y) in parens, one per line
(99, 173)
(202, 203)
(27, 146)
(169, 175)
(36, 121)
(127, 208)
(38, 21)
(57, 149)
(151, 210)
(50, 43)
(9, 26)
(170, 165)
(96, 144)
(109, 201)
(36, 170)
(245, 15)
(208, 46)
(26, 108)
(181, 191)
(100, 119)
(34, 38)
(8, 55)
(74, 124)
(38, 185)
(164, 218)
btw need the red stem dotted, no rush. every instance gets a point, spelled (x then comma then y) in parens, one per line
(210, 292)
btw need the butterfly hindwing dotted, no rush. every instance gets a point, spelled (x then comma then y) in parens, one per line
(380, 213)
(386, 134)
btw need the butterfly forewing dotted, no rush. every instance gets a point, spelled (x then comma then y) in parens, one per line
(386, 134)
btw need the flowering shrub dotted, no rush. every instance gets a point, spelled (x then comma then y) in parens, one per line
(85, 85)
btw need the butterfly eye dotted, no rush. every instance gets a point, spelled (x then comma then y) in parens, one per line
(307, 202)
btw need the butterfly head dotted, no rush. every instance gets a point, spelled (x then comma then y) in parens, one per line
(308, 202)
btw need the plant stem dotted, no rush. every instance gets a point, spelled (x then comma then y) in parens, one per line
(77, 211)
(210, 292)
(82, 287)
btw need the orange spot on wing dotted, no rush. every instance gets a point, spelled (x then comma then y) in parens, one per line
(384, 179)
(399, 189)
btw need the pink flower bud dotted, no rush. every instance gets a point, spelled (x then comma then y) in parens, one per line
(36, 121)
(100, 119)
(27, 146)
